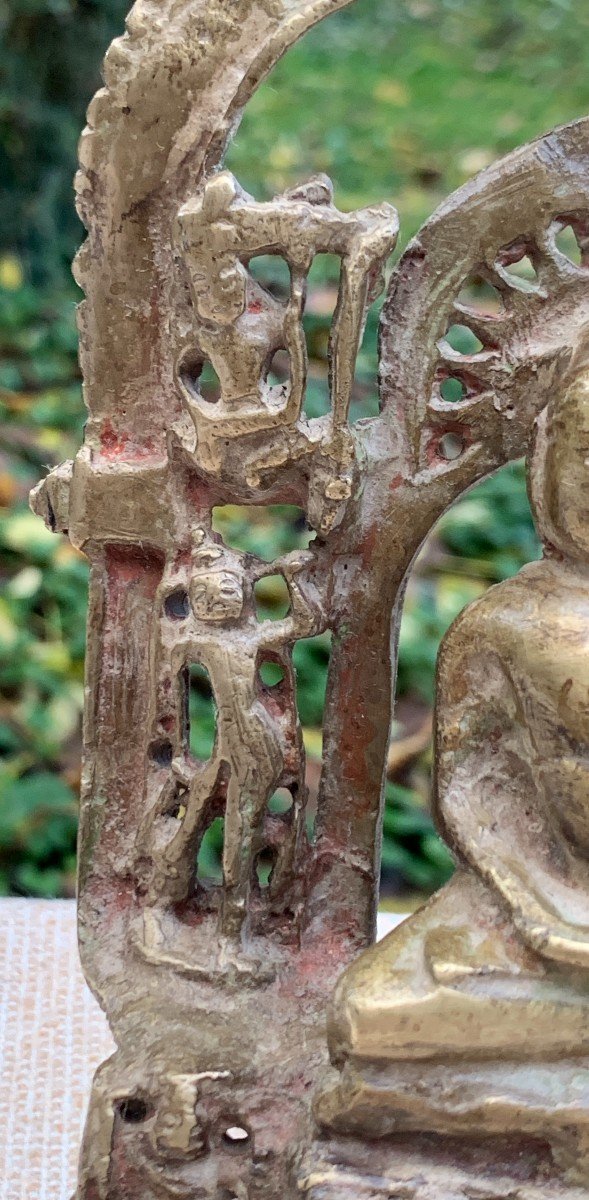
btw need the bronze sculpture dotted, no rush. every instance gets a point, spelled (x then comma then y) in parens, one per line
(217, 995)
(491, 976)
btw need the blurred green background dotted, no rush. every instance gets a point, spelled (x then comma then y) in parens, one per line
(395, 101)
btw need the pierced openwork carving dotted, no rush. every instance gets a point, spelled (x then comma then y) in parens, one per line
(257, 747)
(221, 1087)
(255, 429)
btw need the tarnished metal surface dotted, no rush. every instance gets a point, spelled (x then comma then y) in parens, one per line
(217, 996)
(472, 1018)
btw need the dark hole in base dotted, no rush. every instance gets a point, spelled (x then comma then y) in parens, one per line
(162, 752)
(177, 808)
(177, 605)
(201, 380)
(133, 1110)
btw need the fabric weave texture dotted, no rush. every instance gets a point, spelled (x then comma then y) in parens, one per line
(52, 1037)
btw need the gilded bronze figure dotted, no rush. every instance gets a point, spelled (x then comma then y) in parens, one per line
(472, 1018)
(458, 1046)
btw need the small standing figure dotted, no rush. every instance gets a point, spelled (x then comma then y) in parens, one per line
(445, 1025)
(206, 616)
(255, 428)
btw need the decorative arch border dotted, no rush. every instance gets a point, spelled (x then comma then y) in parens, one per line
(175, 87)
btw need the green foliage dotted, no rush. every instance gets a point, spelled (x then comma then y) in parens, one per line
(412, 854)
(311, 660)
(51, 52)
(208, 867)
(484, 538)
(267, 532)
(492, 526)
(406, 101)
(395, 101)
(38, 820)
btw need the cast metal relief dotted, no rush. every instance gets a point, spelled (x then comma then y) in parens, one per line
(205, 616)
(255, 429)
(458, 1045)
(472, 1017)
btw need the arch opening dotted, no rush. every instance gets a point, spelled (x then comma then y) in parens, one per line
(485, 537)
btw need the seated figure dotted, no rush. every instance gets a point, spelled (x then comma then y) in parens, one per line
(472, 1018)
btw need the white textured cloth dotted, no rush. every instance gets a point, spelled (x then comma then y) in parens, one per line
(52, 1037)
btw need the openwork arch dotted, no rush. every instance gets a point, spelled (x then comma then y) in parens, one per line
(217, 995)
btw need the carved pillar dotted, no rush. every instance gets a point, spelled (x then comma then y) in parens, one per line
(217, 997)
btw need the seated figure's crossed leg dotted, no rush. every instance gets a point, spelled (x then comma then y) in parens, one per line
(454, 984)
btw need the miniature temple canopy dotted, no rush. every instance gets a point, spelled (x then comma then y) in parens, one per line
(217, 995)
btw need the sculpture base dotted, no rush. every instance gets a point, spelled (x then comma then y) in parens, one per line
(425, 1168)
(164, 942)
(547, 1100)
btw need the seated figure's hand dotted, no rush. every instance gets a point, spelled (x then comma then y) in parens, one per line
(558, 940)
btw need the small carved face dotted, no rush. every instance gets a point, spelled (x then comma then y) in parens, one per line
(217, 586)
(228, 291)
(218, 288)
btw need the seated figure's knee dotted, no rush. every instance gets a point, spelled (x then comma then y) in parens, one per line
(423, 991)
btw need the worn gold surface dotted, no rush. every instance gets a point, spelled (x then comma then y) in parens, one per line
(472, 1018)
(256, 429)
(217, 995)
